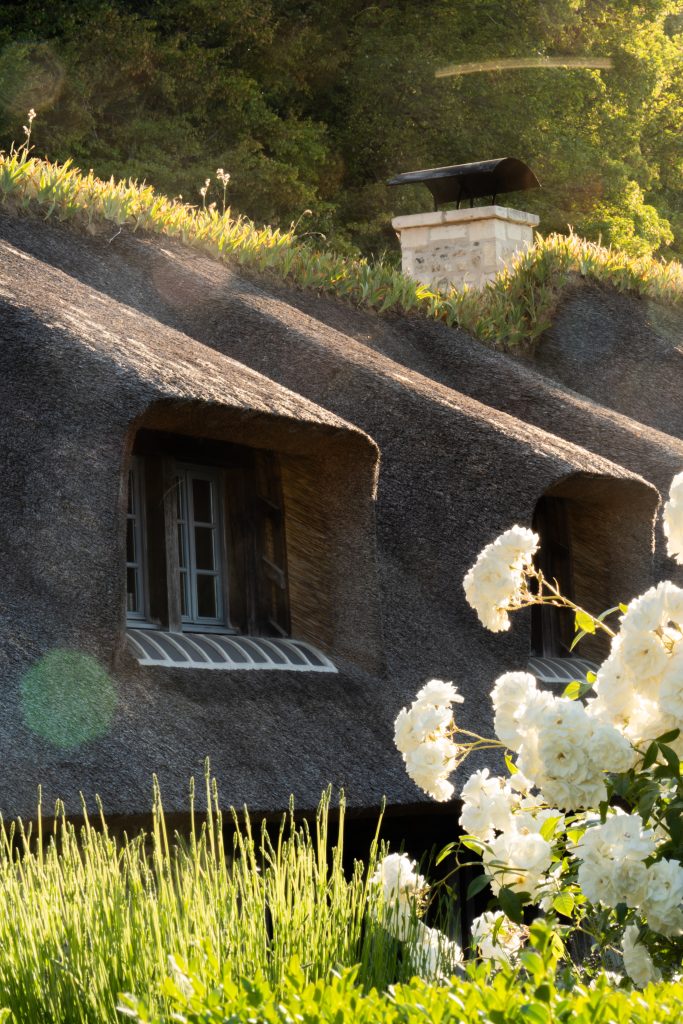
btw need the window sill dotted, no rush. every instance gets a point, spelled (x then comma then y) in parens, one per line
(560, 671)
(224, 652)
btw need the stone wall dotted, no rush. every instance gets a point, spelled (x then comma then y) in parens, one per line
(456, 247)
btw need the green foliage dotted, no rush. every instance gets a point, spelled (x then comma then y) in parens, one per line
(311, 104)
(84, 916)
(510, 312)
(530, 995)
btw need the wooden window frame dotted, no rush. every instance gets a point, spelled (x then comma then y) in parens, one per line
(250, 534)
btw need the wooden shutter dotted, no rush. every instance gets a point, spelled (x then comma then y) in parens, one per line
(271, 553)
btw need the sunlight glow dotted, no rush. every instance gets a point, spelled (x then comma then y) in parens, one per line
(516, 63)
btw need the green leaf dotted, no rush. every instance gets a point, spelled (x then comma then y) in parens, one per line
(548, 827)
(650, 756)
(564, 904)
(669, 737)
(584, 621)
(623, 608)
(512, 904)
(671, 758)
(576, 689)
(476, 885)
(475, 845)
(510, 765)
(446, 852)
(535, 1013)
(543, 992)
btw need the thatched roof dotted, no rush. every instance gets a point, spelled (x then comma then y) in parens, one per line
(98, 338)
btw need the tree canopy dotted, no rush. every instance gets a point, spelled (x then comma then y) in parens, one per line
(313, 105)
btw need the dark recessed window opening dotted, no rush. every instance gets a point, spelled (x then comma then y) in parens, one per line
(205, 538)
(552, 629)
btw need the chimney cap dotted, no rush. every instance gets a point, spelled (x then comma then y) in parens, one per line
(471, 181)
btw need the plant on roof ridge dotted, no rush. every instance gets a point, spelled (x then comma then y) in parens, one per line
(510, 312)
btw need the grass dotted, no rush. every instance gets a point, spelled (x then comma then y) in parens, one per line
(84, 917)
(510, 313)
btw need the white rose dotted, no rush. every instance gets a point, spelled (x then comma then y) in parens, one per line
(517, 861)
(494, 582)
(439, 693)
(422, 721)
(572, 794)
(630, 882)
(671, 687)
(664, 897)
(611, 751)
(399, 878)
(649, 611)
(512, 692)
(509, 937)
(646, 658)
(673, 519)
(429, 765)
(595, 880)
(432, 954)
(637, 960)
(488, 803)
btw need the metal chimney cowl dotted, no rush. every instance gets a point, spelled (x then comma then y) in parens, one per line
(456, 247)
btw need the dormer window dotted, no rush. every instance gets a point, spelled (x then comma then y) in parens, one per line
(552, 629)
(205, 545)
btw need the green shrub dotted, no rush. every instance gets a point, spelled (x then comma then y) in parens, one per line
(481, 998)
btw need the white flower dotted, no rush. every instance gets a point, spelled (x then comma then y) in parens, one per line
(673, 519)
(663, 903)
(611, 749)
(629, 881)
(671, 688)
(430, 764)
(646, 658)
(612, 855)
(637, 960)
(403, 888)
(517, 860)
(488, 804)
(439, 693)
(493, 585)
(497, 937)
(432, 954)
(511, 694)
(422, 722)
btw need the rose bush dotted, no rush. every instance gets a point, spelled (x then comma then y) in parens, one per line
(587, 825)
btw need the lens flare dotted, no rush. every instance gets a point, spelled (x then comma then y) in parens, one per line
(68, 698)
(31, 77)
(520, 63)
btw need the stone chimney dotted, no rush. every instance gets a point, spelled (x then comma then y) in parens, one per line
(456, 247)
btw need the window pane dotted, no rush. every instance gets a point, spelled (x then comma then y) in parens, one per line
(131, 507)
(132, 600)
(206, 597)
(201, 501)
(130, 541)
(203, 547)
